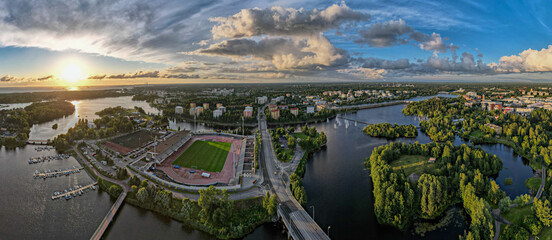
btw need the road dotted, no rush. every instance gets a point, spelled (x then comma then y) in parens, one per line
(302, 225)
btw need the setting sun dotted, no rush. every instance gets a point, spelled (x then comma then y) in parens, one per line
(72, 73)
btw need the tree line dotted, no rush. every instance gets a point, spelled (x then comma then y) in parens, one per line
(390, 131)
(398, 200)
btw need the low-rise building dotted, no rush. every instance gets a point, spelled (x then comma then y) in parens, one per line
(193, 105)
(248, 112)
(275, 114)
(205, 106)
(178, 110)
(217, 113)
(294, 111)
(310, 109)
(262, 100)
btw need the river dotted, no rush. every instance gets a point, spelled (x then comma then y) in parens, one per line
(337, 185)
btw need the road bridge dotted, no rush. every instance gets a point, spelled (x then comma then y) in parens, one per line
(298, 222)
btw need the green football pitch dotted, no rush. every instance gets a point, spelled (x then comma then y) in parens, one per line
(204, 155)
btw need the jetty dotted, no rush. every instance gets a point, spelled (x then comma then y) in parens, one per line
(34, 160)
(73, 191)
(56, 172)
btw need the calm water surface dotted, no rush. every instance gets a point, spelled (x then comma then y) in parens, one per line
(337, 185)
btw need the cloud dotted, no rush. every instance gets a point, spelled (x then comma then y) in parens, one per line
(384, 64)
(527, 61)
(45, 78)
(169, 73)
(279, 21)
(290, 38)
(12, 79)
(393, 33)
(8, 78)
(152, 31)
(284, 53)
(139, 74)
(364, 73)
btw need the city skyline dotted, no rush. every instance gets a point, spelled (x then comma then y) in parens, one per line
(59, 43)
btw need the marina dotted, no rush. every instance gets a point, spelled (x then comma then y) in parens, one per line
(45, 148)
(74, 191)
(56, 172)
(35, 160)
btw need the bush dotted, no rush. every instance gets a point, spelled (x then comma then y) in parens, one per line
(508, 181)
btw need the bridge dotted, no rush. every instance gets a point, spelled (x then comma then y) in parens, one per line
(297, 221)
(109, 217)
(358, 121)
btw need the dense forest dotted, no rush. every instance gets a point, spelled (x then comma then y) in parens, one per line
(459, 173)
(390, 131)
(7, 98)
(41, 112)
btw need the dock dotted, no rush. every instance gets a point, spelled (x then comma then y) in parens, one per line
(73, 191)
(35, 160)
(56, 172)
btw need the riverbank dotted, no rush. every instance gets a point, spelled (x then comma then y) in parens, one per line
(246, 215)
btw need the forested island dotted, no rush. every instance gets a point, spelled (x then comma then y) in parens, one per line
(390, 131)
(16, 123)
(455, 174)
(7, 98)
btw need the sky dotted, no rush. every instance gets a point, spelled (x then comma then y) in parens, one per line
(125, 42)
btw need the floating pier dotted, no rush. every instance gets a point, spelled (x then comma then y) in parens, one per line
(71, 192)
(56, 172)
(42, 159)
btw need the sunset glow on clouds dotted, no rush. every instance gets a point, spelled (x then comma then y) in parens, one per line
(119, 42)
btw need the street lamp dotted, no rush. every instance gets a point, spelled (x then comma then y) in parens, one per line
(312, 211)
(329, 230)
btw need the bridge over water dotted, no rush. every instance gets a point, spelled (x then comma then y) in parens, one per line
(109, 217)
(298, 222)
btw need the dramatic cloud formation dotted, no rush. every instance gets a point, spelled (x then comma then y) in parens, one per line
(141, 30)
(295, 38)
(193, 40)
(279, 21)
(527, 61)
(284, 53)
(393, 33)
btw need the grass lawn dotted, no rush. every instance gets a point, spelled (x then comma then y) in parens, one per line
(411, 164)
(536, 165)
(205, 155)
(477, 134)
(135, 139)
(533, 183)
(546, 234)
(516, 215)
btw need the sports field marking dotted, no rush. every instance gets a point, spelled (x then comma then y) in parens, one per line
(204, 155)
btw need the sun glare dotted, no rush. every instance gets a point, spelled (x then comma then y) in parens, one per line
(72, 74)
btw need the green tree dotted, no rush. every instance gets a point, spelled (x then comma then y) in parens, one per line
(543, 211)
(495, 194)
(504, 204)
(216, 209)
(142, 195)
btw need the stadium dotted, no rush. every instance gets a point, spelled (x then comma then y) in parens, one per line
(200, 159)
